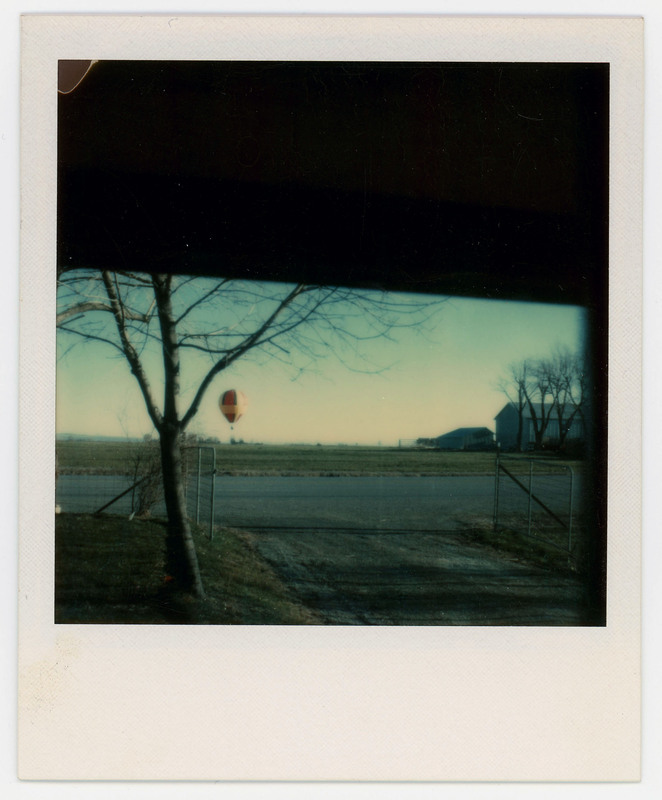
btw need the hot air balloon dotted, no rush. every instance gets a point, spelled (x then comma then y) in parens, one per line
(232, 404)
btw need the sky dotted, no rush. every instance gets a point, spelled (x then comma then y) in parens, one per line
(423, 381)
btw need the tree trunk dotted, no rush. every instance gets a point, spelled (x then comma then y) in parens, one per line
(564, 426)
(520, 428)
(181, 560)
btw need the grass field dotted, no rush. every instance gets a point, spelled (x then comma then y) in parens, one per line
(111, 570)
(247, 459)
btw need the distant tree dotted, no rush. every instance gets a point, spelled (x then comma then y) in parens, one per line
(514, 385)
(539, 399)
(139, 315)
(546, 388)
(567, 382)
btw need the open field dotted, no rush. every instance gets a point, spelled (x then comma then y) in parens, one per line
(247, 459)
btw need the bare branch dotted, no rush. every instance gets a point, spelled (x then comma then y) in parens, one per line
(305, 323)
(91, 337)
(81, 308)
(214, 290)
(129, 351)
(247, 345)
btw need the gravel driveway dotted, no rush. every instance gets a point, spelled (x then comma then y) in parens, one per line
(415, 578)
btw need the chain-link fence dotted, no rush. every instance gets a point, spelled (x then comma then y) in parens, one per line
(201, 488)
(536, 497)
(118, 478)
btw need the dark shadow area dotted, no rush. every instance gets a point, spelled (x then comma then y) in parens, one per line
(477, 179)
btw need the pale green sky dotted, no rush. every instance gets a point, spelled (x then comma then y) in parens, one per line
(433, 384)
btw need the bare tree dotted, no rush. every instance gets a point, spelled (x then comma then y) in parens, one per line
(514, 386)
(527, 386)
(539, 389)
(567, 382)
(538, 392)
(138, 315)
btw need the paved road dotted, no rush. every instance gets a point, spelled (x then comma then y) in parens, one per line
(370, 503)
(390, 503)
(381, 503)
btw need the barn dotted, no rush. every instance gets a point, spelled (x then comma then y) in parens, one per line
(507, 423)
(466, 439)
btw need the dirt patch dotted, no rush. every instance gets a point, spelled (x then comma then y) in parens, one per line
(440, 578)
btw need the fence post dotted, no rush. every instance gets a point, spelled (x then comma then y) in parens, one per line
(213, 492)
(197, 488)
(528, 528)
(496, 491)
(572, 489)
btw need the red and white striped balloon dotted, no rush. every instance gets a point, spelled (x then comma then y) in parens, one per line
(232, 404)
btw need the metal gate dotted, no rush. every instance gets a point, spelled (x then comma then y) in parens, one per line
(200, 495)
(535, 497)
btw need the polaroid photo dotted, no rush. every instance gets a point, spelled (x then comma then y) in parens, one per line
(330, 426)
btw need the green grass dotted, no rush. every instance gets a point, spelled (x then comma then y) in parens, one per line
(330, 460)
(111, 570)
(98, 457)
(246, 459)
(542, 549)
